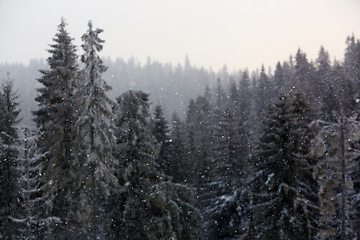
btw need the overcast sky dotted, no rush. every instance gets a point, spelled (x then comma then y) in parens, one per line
(242, 33)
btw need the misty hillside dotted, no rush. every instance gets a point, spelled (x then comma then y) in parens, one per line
(168, 85)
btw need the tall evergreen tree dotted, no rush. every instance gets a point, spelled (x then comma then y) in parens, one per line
(334, 146)
(304, 76)
(279, 77)
(246, 105)
(245, 96)
(161, 133)
(55, 118)
(282, 209)
(352, 62)
(94, 162)
(199, 142)
(234, 98)
(225, 210)
(147, 205)
(263, 92)
(322, 74)
(8, 153)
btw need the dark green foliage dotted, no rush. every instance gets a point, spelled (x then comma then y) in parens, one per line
(199, 137)
(339, 91)
(279, 79)
(147, 205)
(8, 153)
(245, 97)
(304, 76)
(161, 133)
(352, 62)
(94, 163)
(323, 67)
(282, 187)
(263, 94)
(55, 118)
(225, 200)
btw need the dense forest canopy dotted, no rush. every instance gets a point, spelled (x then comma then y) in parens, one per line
(120, 150)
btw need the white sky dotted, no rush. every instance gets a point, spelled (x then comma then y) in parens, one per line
(239, 33)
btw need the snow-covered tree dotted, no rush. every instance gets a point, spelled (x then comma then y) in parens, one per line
(30, 220)
(199, 143)
(8, 153)
(93, 163)
(225, 208)
(55, 117)
(283, 202)
(335, 147)
(147, 205)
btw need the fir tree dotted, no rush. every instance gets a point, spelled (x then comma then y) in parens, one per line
(304, 76)
(94, 163)
(234, 98)
(226, 211)
(199, 143)
(8, 153)
(281, 203)
(322, 74)
(147, 205)
(352, 62)
(245, 97)
(161, 133)
(263, 92)
(55, 118)
(279, 79)
(334, 145)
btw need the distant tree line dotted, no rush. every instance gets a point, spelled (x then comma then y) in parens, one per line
(266, 156)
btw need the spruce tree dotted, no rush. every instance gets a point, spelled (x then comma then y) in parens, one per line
(335, 147)
(323, 70)
(263, 92)
(147, 204)
(8, 153)
(55, 117)
(281, 203)
(304, 76)
(225, 208)
(352, 62)
(94, 164)
(245, 97)
(279, 79)
(199, 143)
(161, 133)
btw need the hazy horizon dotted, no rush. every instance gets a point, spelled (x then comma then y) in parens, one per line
(240, 34)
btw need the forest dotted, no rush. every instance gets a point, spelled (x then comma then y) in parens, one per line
(116, 150)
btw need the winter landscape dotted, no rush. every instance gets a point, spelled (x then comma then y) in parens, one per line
(95, 148)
